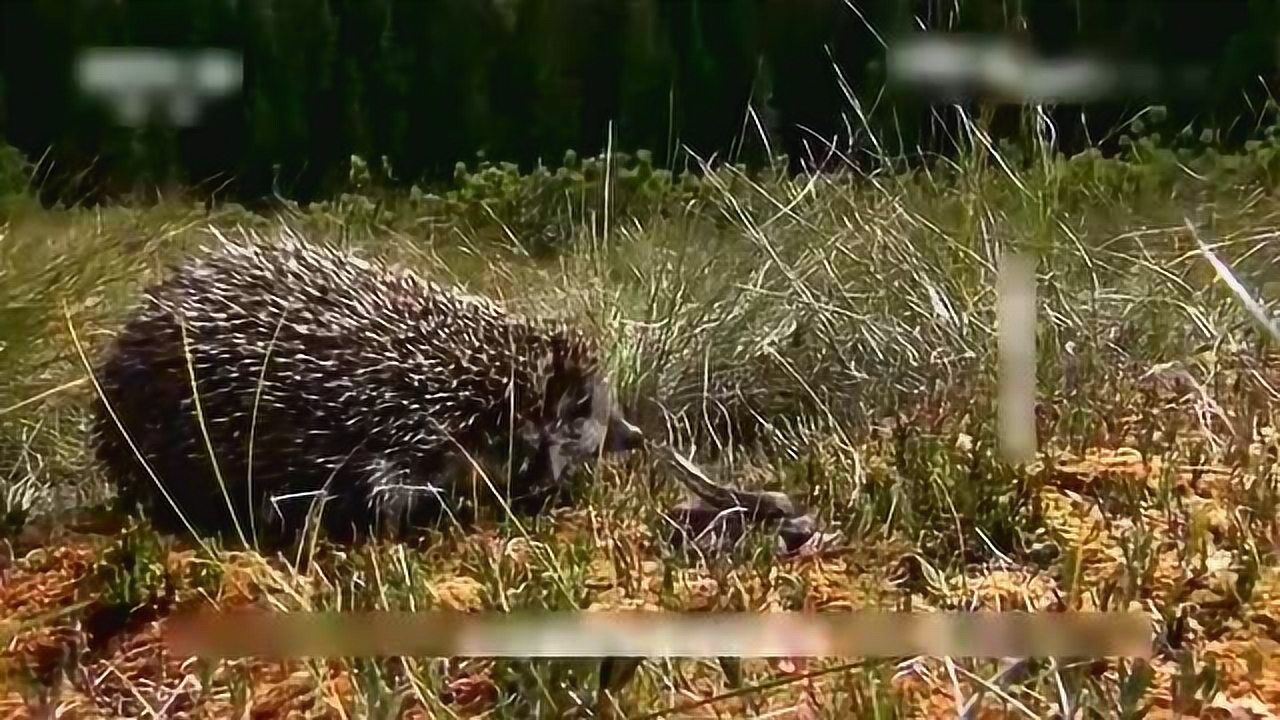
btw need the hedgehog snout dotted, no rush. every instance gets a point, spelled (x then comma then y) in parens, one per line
(621, 436)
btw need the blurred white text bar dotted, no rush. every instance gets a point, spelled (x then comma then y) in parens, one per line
(663, 634)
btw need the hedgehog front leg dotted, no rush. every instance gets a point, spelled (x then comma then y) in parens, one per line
(397, 498)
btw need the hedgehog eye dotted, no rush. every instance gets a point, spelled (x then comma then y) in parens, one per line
(573, 406)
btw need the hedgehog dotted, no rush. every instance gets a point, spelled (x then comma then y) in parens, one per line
(339, 390)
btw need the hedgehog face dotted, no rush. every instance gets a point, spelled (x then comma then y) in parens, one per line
(591, 423)
(584, 425)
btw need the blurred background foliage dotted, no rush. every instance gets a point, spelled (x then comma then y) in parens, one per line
(417, 86)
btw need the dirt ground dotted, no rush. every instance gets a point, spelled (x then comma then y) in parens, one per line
(94, 662)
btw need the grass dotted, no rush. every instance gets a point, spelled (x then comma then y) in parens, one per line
(830, 335)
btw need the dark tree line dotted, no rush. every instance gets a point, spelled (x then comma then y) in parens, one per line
(427, 83)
